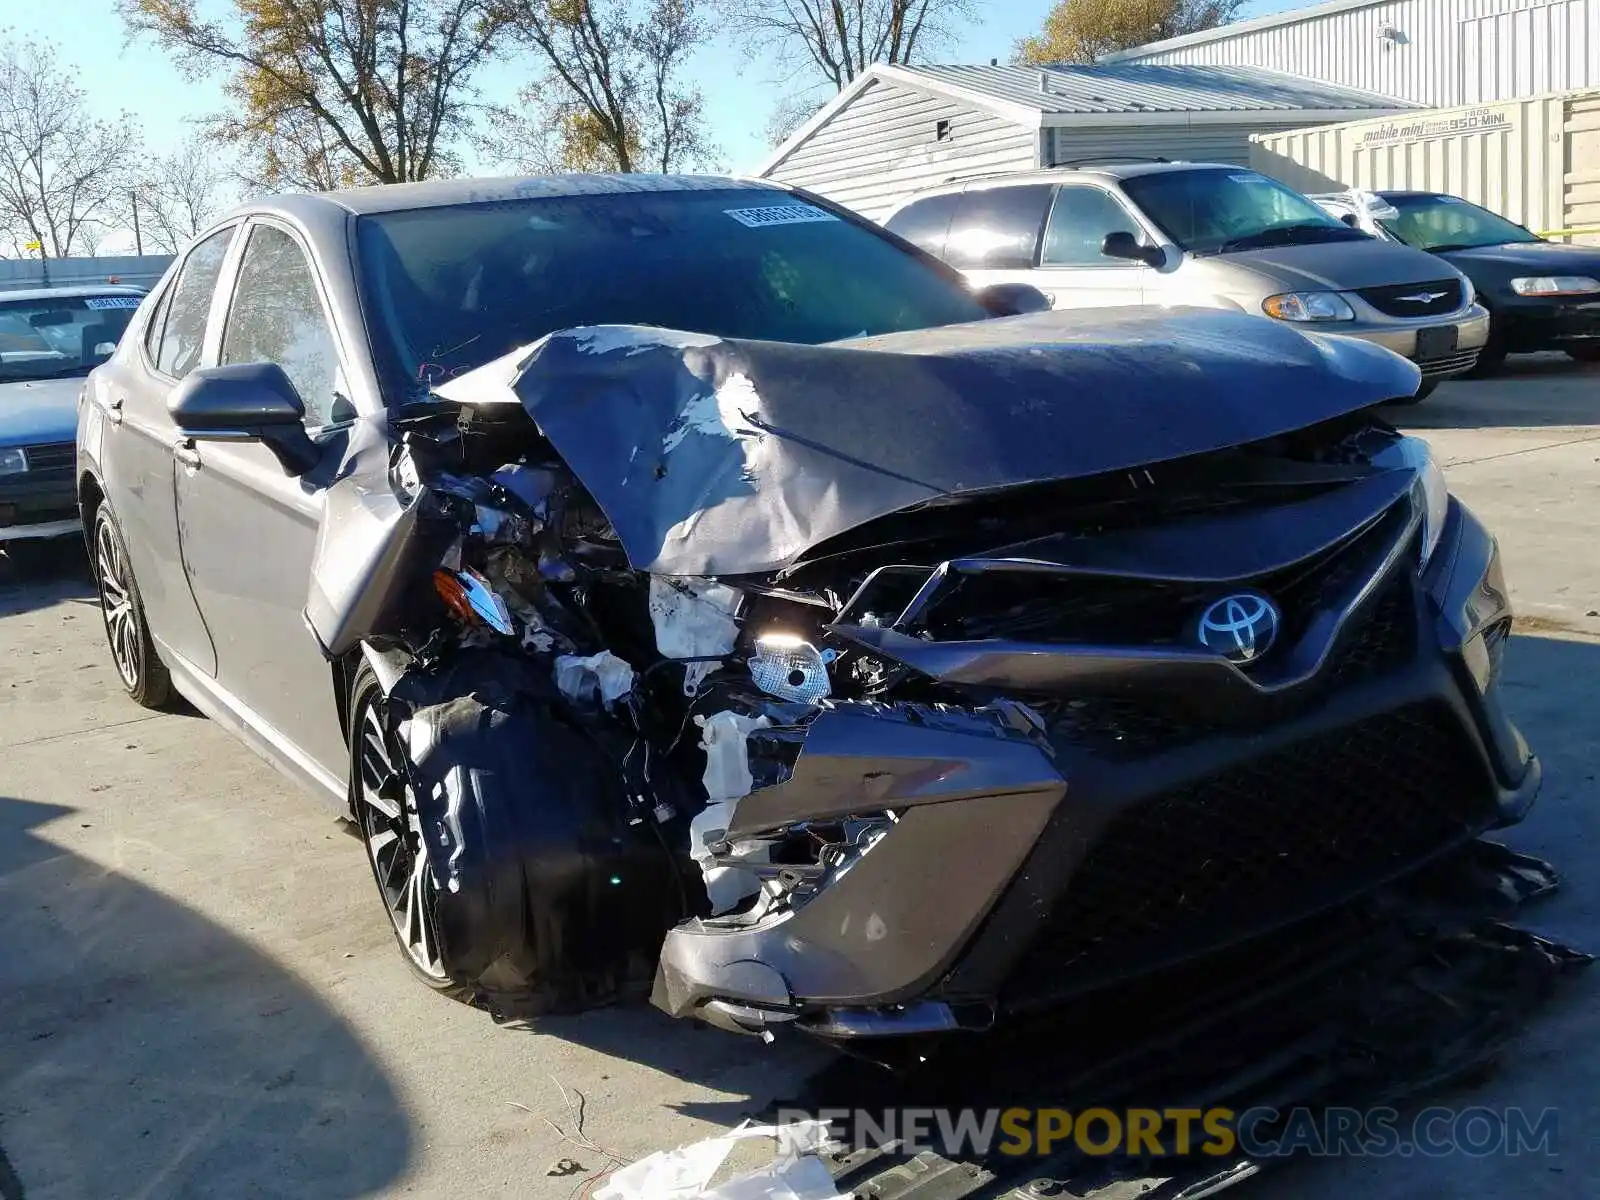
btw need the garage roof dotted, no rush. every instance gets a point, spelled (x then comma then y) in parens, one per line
(1132, 94)
(1148, 88)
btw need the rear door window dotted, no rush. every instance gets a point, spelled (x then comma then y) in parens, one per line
(925, 223)
(997, 228)
(184, 331)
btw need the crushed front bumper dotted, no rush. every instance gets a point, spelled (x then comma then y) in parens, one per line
(1034, 858)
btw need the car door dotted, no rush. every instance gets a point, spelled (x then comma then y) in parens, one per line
(249, 528)
(994, 233)
(1072, 270)
(135, 435)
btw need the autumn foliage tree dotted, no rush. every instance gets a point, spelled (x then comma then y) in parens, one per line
(1081, 31)
(334, 92)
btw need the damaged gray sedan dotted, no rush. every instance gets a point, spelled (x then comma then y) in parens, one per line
(687, 587)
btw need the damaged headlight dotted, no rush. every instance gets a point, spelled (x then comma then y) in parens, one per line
(1413, 454)
(788, 667)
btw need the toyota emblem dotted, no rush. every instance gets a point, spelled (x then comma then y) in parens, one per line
(1240, 627)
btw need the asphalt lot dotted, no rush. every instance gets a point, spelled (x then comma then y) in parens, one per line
(199, 995)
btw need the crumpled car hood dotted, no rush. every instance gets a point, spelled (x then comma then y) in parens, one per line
(716, 456)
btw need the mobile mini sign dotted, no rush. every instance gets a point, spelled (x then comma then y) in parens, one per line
(1488, 119)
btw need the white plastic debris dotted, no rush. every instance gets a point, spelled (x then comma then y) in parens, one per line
(795, 1173)
(603, 675)
(694, 619)
(724, 736)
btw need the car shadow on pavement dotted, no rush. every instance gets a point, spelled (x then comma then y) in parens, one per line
(1528, 392)
(44, 575)
(146, 1052)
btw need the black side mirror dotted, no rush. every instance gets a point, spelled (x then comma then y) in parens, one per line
(1013, 299)
(1351, 220)
(1122, 244)
(245, 402)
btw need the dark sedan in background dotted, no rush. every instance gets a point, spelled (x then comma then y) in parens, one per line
(1541, 295)
(50, 339)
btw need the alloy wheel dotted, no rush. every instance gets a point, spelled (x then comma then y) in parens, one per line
(117, 605)
(392, 832)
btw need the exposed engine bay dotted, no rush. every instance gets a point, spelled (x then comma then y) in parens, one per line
(676, 634)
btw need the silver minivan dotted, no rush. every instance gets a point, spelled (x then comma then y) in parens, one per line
(1204, 234)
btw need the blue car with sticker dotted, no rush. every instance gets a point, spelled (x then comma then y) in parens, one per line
(50, 339)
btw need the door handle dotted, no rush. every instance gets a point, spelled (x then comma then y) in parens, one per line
(184, 451)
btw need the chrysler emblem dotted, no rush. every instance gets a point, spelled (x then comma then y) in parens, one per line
(1422, 297)
(1240, 627)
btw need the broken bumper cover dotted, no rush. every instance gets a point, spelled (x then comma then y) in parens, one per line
(1031, 862)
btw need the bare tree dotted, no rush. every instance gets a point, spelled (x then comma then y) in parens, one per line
(62, 171)
(328, 92)
(836, 40)
(180, 194)
(611, 96)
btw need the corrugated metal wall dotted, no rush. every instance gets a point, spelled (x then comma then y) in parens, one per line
(884, 145)
(1535, 161)
(1453, 51)
(138, 270)
(1195, 143)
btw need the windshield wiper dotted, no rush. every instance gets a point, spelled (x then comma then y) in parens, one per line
(1286, 235)
(63, 373)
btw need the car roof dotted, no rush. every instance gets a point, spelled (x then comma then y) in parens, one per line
(75, 292)
(1105, 170)
(441, 193)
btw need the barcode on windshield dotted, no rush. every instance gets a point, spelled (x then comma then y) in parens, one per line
(103, 302)
(779, 214)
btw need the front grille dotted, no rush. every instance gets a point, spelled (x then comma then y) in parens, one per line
(51, 454)
(1413, 299)
(1380, 638)
(1447, 364)
(1267, 840)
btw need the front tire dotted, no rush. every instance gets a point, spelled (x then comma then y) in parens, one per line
(144, 676)
(385, 811)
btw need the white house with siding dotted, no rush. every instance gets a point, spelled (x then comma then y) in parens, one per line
(1437, 53)
(895, 130)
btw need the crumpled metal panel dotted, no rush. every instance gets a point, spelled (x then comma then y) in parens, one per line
(729, 457)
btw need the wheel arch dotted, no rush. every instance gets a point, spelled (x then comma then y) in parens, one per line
(90, 497)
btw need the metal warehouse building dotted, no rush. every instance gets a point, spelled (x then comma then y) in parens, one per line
(1438, 53)
(897, 129)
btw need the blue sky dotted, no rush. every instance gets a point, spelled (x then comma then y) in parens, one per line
(136, 76)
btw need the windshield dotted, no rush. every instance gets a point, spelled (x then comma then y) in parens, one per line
(1433, 222)
(1220, 211)
(455, 287)
(60, 335)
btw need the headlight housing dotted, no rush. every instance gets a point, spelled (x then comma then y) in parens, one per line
(1308, 306)
(1555, 285)
(13, 460)
(1414, 454)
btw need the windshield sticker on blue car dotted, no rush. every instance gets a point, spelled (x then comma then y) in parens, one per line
(99, 302)
(779, 214)
(1247, 178)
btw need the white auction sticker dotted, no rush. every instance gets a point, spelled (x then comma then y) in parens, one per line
(99, 302)
(779, 214)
